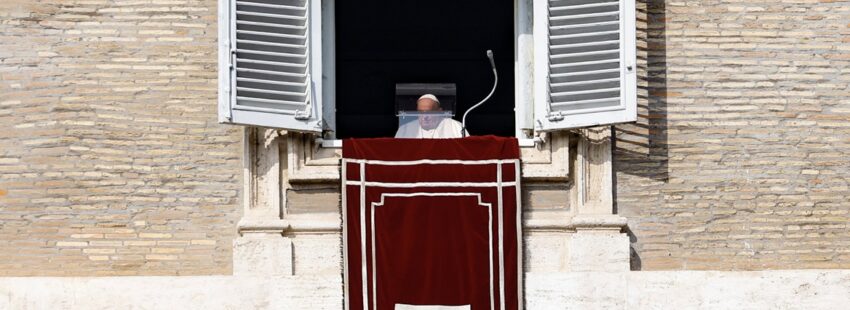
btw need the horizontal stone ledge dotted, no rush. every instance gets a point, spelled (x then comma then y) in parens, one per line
(294, 225)
(599, 222)
(777, 289)
(262, 226)
(558, 224)
(332, 225)
(575, 222)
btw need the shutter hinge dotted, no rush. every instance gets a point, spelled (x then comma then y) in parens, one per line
(555, 116)
(230, 85)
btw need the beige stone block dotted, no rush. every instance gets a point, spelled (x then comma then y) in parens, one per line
(167, 250)
(598, 251)
(160, 257)
(203, 242)
(154, 235)
(262, 254)
(71, 244)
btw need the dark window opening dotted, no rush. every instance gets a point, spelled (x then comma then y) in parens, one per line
(381, 43)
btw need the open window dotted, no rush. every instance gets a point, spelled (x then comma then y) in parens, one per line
(330, 67)
(380, 43)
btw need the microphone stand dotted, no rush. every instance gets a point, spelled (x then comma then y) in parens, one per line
(495, 82)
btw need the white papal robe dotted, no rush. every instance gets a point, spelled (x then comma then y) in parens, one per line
(448, 128)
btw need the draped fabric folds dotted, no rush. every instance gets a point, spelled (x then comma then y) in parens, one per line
(432, 222)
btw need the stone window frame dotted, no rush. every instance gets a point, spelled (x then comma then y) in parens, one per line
(274, 161)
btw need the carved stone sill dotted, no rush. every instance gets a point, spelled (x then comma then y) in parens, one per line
(553, 222)
(610, 222)
(309, 162)
(300, 224)
(327, 224)
(261, 226)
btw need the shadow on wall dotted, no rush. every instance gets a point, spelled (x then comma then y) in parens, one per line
(640, 149)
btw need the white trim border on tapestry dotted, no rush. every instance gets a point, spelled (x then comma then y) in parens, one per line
(499, 184)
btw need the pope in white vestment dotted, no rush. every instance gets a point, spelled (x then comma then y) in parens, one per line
(430, 126)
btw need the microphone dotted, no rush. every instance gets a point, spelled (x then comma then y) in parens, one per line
(492, 62)
(495, 82)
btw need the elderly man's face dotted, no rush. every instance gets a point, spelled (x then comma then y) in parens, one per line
(426, 105)
(428, 121)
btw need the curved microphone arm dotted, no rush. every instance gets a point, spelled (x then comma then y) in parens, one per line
(495, 82)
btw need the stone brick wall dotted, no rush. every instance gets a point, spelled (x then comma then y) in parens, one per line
(742, 157)
(112, 163)
(111, 158)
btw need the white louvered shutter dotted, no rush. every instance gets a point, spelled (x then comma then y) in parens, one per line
(584, 63)
(269, 63)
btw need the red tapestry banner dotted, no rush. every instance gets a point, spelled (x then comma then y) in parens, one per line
(432, 223)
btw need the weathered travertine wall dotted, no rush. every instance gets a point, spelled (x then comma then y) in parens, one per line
(111, 158)
(741, 158)
(797, 289)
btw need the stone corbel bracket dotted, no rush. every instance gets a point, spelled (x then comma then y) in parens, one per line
(599, 243)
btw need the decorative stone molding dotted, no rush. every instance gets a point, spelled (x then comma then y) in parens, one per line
(594, 177)
(269, 226)
(301, 224)
(559, 222)
(586, 236)
(598, 243)
(268, 176)
(599, 222)
(549, 161)
(261, 248)
(307, 161)
(262, 196)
